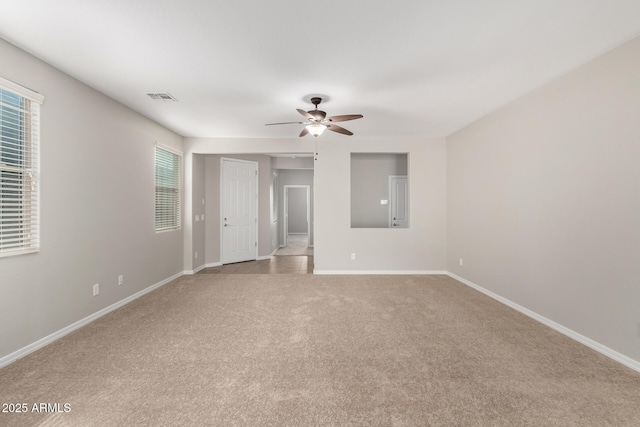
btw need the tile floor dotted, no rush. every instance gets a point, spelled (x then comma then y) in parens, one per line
(274, 265)
(297, 244)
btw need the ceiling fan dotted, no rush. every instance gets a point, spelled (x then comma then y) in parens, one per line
(317, 120)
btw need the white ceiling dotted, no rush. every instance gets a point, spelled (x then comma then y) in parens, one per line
(412, 67)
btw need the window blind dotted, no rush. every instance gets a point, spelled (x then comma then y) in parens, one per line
(19, 169)
(168, 173)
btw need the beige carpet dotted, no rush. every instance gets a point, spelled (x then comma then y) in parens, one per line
(303, 350)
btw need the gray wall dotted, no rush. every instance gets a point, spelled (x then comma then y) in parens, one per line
(421, 247)
(295, 177)
(543, 201)
(97, 208)
(292, 163)
(370, 174)
(418, 248)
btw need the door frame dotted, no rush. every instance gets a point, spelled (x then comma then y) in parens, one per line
(221, 201)
(285, 227)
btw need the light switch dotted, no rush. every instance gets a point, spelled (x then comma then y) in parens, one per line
(384, 202)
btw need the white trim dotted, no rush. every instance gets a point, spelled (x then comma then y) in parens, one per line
(594, 345)
(202, 267)
(195, 270)
(18, 354)
(19, 252)
(21, 90)
(379, 272)
(260, 258)
(274, 251)
(169, 149)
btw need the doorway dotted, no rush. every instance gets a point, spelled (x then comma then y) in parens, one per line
(297, 208)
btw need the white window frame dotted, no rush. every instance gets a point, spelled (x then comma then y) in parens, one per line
(173, 215)
(20, 195)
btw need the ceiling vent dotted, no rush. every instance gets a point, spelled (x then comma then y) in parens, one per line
(161, 96)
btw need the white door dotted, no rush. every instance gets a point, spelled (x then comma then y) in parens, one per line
(239, 215)
(399, 202)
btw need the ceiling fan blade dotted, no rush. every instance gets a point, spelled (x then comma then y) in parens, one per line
(305, 114)
(338, 129)
(344, 117)
(304, 132)
(285, 123)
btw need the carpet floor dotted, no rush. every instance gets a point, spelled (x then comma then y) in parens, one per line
(305, 350)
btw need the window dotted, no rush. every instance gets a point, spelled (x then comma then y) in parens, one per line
(168, 167)
(19, 169)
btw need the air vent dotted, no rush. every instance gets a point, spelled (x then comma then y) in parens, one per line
(161, 96)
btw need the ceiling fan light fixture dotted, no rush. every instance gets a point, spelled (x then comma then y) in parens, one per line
(316, 129)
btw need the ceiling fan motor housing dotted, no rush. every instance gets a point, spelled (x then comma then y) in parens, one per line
(319, 115)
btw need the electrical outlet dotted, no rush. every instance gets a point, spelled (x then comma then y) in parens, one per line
(197, 218)
(353, 256)
(120, 280)
(460, 261)
(196, 255)
(96, 289)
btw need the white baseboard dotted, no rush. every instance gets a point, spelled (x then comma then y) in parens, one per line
(202, 267)
(195, 270)
(12, 357)
(379, 272)
(271, 254)
(602, 349)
